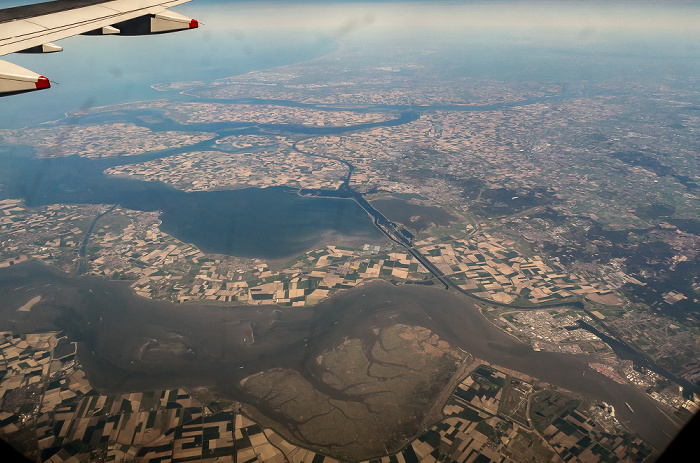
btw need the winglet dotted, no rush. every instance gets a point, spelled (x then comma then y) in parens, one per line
(42, 83)
(16, 79)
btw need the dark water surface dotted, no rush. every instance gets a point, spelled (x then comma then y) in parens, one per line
(226, 344)
(267, 223)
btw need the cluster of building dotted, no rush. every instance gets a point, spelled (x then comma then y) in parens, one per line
(671, 343)
(609, 371)
(670, 397)
(98, 141)
(553, 330)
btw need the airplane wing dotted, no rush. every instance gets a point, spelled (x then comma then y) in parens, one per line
(33, 28)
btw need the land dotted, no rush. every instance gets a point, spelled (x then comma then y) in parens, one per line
(261, 166)
(493, 416)
(374, 397)
(98, 141)
(52, 413)
(565, 205)
(189, 113)
(128, 245)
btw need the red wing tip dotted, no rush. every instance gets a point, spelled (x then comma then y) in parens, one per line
(194, 24)
(42, 82)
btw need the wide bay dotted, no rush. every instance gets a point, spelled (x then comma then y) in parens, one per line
(269, 223)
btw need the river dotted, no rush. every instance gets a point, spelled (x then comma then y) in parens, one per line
(227, 222)
(231, 222)
(113, 325)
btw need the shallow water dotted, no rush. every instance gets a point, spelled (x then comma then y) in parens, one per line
(113, 326)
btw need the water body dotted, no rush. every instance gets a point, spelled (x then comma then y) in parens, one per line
(267, 223)
(98, 71)
(113, 326)
(625, 352)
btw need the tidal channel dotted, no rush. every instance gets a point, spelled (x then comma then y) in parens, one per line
(223, 345)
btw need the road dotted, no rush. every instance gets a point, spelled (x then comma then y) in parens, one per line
(82, 252)
(397, 234)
